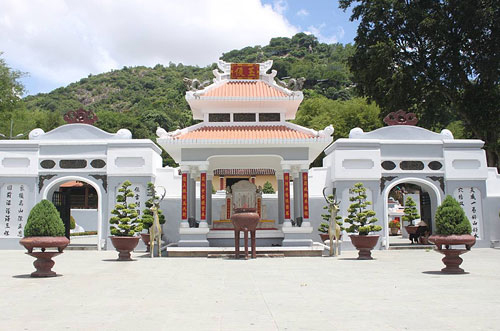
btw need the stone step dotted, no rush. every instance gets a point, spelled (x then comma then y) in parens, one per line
(81, 247)
(410, 246)
(270, 251)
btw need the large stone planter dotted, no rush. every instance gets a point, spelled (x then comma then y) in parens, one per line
(364, 244)
(124, 245)
(452, 259)
(44, 262)
(146, 238)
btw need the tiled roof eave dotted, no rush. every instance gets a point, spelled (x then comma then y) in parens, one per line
(271, 141)
(216, 98)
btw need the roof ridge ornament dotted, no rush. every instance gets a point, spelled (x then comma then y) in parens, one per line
(80, 116)
(293, 84)
(401, 118)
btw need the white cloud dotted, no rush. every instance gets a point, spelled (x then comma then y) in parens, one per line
(61, 41)
(280, 6)
(302, 13)
(329, 39)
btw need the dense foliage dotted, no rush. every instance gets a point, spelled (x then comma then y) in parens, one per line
(124, 223)
(410, 211)
(268, 188)
(360, 218)
(147, 214)
(44, 221)
(450, 218)
(440, 59)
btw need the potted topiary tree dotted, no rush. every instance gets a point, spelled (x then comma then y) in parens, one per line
(394, 226)
(147, 214)
(452, 228)
(44, 229)
(361, 221)
(124, 225)
(410, 214)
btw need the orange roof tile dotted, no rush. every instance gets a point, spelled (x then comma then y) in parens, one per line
(244, 133)
(252, 89)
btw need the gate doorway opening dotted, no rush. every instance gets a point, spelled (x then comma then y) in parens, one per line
(77, 203)
(426, 201)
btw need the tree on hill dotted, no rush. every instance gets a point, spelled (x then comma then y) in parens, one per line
(440, 59)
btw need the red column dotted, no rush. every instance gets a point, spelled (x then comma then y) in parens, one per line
(286, 193)
(184, 209)
(203, 196)
(221, 183)
(305, 194)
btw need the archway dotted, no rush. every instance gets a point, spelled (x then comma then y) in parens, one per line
(84, 213)
(428, 188)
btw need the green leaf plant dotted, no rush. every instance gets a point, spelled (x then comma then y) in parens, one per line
(451, 219)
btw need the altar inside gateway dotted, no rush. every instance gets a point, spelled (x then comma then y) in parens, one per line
(244, 126)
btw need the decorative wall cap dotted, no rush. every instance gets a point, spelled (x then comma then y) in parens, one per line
(401, 118)
(81, 116)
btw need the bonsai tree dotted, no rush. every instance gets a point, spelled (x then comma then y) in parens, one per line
(410, 211)
(147, 218)
(360, 218)
(268, 188)
(450, 218)
(125, 222)
(44, 221)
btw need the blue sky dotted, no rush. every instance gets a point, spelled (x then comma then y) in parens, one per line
(58, 42)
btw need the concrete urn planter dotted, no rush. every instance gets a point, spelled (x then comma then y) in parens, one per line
(146, 238)
(364, 244)
(44, 262)
(124, 245)
(452, 259)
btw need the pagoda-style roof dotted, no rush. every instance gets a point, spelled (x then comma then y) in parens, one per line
(204, 133)
(228, 94)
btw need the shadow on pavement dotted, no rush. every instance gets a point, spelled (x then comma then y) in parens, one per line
(29, 276)
(442, 273)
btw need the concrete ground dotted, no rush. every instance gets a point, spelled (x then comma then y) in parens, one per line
(398, 290)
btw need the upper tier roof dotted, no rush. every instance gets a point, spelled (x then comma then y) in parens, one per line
(246, 89)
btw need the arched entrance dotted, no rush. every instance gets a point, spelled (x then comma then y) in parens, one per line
(84, 199)
(430, 199)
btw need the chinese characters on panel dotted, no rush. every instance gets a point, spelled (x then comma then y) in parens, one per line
(469, 199)
(14, 212)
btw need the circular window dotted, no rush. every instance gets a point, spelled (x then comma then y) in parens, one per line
(435, 165)
(388, 165)
(98, 163)
(47, 164)
(411, 165)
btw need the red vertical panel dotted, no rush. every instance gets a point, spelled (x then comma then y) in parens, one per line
(305, 194)
(184, 196)
(203, 196)
(228, 208)
(286, 191)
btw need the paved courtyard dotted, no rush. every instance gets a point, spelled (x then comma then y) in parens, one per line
(399, 290)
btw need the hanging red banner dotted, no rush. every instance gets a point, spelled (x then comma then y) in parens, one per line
(228, 208)
(244, 71)
(184, 196)
(203, 196)
(305, 194)
(286, 193)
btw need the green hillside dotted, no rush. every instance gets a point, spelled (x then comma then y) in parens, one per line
(142, 98)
